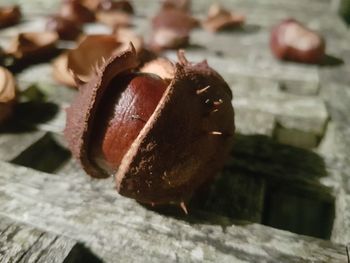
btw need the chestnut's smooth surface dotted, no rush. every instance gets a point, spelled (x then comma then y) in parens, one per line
(123, 114)
(181, 146)
(66, 29)
(9, 15)
(292, 41)
(7, 94)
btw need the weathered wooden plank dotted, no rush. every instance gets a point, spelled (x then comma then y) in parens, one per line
(115, 227)
(24, 243)
(12, 144)
(248, 59)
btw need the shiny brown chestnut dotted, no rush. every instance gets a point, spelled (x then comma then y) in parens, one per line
(292, 41)
(9, 15)
(161, 135)
(66, 29)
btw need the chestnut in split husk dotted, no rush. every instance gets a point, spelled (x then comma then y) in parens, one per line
(7, 94)
(9, 15)
(66, 29)
(161, 138)
(290, 40)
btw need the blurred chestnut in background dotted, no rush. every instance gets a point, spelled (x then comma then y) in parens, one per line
(66, 29)
(9, 15)
(7, 94)
(184, 5)
(32, 45)
(171, 29)
(219, 19)
(292, 41)
(110, 5)
(76, 12)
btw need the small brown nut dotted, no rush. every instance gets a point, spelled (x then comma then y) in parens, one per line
(219, 19)
(66, 29)
(9, 15)
(290, 40)
(32, 45)
(7, 94)
(162, 138)
(76, 12)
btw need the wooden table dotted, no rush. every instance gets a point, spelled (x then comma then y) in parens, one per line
(283, 197)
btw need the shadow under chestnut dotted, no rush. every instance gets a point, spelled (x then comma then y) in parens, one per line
(269, 183)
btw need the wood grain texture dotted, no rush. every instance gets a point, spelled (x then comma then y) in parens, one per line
(286, 102)
(115, 227)
(24, 243)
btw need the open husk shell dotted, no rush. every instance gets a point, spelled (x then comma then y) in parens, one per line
(81, 63)
(76, 12)
(171, 29)
(32, 45)
(183, 144)
(66, 29)
(60, 71)
(220, 18)
(95, 49)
